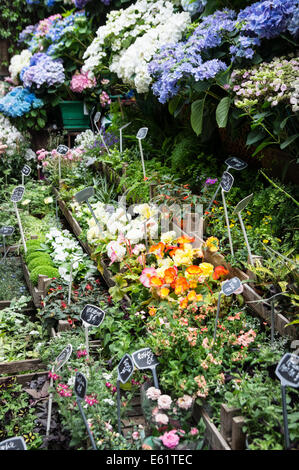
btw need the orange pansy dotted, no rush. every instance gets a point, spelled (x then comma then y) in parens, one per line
(185, 239)
(193, 270)
(158, 249)
(219, 271)
(180, 285)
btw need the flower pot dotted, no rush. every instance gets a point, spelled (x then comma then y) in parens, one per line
(73, 116)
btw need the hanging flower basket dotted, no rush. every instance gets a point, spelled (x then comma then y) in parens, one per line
(73, 116)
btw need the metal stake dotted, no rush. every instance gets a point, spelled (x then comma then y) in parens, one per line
(217, 316)
(246, 238)
(227, 223)
(142, 158)
(118, 407)
(86, 423)
(20, 226)
(285, 417)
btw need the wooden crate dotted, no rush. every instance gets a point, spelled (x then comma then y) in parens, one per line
(18, 368)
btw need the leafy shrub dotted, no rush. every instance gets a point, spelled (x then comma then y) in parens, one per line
(34, 254)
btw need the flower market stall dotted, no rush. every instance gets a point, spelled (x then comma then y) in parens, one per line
(149, 227)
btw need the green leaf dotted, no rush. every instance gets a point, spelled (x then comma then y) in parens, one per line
(222, 111)
(261, 147)
(41, 122)
(197, 108)
(254, 136)
(288, 141)
(173, 104)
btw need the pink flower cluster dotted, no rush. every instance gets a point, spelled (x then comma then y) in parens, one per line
(104, 99)
(53, 376)
(64, 390)
(81, 81)
(45, 25)
(246, 338)
(82, 352)
(91, 400)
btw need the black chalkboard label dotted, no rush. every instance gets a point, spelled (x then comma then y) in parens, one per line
(227, 181)
(6, 230)
(145, 359)
(92, 315)
(85, 194)
(230, 286)
(15, 443)
(26, 170)
(62, 149)
(236, 163)
(17, 194)
(141, 134)
(125, 368)
(80, 385)
(63, 357)
(287, 370)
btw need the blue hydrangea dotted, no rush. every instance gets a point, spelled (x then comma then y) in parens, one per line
(18, 102)
(43, 70)
(193, 6)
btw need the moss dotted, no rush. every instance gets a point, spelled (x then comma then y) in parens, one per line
(43, 270)
(35, 254)
(43, 260)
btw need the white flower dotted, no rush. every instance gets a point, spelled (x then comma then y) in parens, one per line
(115, 251)
(18, 62)
(48, 200)
(168, 237)
(63, 273)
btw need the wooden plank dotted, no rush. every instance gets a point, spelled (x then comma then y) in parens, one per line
(238, 436)
(226, 416)
(215, 439)
(20, 366)
(25, 378)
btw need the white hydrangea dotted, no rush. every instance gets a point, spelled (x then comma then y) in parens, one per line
(135, 35)
(18, 62)
(294, 99)
(10, 136)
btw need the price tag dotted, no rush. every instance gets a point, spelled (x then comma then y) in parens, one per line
(26, 170)
(17, 194)
(62, 149)
(92, 315)
(6, 230)
(63, 357)
(80, 385)
(142, 133)
(230, 286)
(287, 370)
(14, 443)
(125, 368)
(145, 359)
(227, 181)
(85, 194)
(236, 163)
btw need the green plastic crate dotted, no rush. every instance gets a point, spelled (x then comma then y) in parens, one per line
(73, 116)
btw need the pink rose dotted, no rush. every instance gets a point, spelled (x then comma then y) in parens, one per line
(164, 402)
(170, 439)
(194, 431)
(161, 418)
(153, 393)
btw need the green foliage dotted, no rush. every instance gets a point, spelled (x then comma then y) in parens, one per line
(46, 270)
(42, 260)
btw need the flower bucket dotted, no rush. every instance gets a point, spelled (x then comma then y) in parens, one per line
(73, 116)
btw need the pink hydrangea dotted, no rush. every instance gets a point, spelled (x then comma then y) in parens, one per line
(81, 81)
(170, 439)
(104, 99)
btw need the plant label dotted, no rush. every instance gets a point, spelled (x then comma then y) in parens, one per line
(92, 315)
(125, 368)
(97, 117)
(63, 357)
(145, 359)
(126, 125)
(26, 170)
(6, 230)
(85, 194)
(242, 204)
(142, 133)
(227, 181)
(15, 443)
(80, 385)
(17, 194)
(236, 163)
(62, 149)
(287, 370)
(230, 286)
(90, 161)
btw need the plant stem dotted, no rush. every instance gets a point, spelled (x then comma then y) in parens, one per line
(279, 188)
